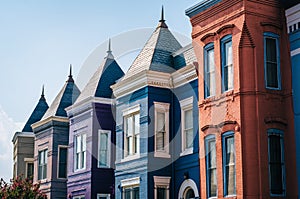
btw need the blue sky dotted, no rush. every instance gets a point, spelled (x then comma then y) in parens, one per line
(39, 39)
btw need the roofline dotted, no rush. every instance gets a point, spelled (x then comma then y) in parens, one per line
(200, 7)
(51, 118)
(182, 50)
(22, 134)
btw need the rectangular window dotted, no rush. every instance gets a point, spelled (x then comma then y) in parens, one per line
(161, 129)
(42, 170)
(229, 164)
(227, 63)
(80, 151)
(131, 192)
(211, 166)
(209, 71)
(62, 162)
(272, 61)
(161, 187)
(104, 148)
(29, 172)
(103, 196)
(132, 134)
(276, 162)
(187, 130)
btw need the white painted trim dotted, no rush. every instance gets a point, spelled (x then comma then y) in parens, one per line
(28, 159)
(189, 183)
(108, 165)
(162, 181)
(160, 107)
(182, 50)
(130, 182)
(131, 157)
(295, 52)
(51, 118)
(74, 151)
(185, 104)
(132, 109)
(103, 195)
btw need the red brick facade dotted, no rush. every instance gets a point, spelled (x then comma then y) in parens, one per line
(250, 109)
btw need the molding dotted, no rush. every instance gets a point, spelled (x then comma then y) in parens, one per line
(200, 7)
(50, 119)
(279, 120)
(130, 110)
(182, 50)
(161, 181)
(186, 103)
(295, 52)
(276, 25)
(189, 183)
(211, 34)
(130, 182)
(184, 75)
(228, 26)
(28, 159)
(22, 134)
(220, 125)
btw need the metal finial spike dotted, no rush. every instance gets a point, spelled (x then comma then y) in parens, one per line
(70, 75)
(109, 45)
(43, 90)
(109, 52)
(162, 18)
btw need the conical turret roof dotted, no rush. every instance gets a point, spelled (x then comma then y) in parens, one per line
(106, 75)
(37, 114)
(156, 54)
(66, 97)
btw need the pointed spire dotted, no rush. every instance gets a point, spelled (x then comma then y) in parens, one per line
(109, 52)
(70, 75)
(43, 93)
(162, 20)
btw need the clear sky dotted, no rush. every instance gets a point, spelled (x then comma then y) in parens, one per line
(39, 39)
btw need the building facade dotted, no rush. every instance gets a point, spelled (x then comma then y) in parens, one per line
(51, 143)
(156, 122)
(23, 142)
(245, 99)
(91, 153)
(293, 27)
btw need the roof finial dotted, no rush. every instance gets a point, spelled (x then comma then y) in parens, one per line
(162, 20)
(43, 93)
(70, 75)
(109, 52)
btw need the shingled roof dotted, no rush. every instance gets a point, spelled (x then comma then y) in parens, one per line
(106, 75)
(156, 54)
(66, 97)
(37, 113)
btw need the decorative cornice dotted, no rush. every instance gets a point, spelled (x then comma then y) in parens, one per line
(276, 25)
(269, 120)
(218, 126)
(22, 134)
(211, 34)
(228, 26)
(49, 119)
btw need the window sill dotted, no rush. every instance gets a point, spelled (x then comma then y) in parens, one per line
(187, 152)
(43, 180)
(131, 157)
(230, 196)
(103, 167)
(79, 170)
(159, 154)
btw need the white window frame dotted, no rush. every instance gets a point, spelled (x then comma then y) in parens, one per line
(58, 158)
(75, 152)
(129, 183)
(38, 164)
(160, 107)
(28, 161)
(131, 111)
(161, 182)
(103, 195)
(108, 154)
(185, 105)
(79, 197)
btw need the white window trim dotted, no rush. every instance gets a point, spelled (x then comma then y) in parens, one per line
(26, 168)
(185, 104)
(38, 164)
(126, 112)
(161, 181)
(189, 183)
(79, 197)
(164, 108)
(103, 195)
(59, 147)
(74, 151)
(108, 165)
(130, 182)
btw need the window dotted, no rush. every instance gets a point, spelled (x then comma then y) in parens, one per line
(161, 129)
(103, 196)
(80, 151)
(79, 197)
(161, 187)
(227, 66)
(229, 163)
(131, 131)
(130, 187)
(62, 161)
(29, 170)
(104, 148)
(189, 193)
(209, 71)
(276, 162)
(187, 134)
(272, 61)
(211, 166)
(42, 170)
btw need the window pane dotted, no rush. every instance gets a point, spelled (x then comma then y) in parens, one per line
(230, 166)
(62, 169)
(29, 170)
(189, 138)
(136, 194)
(160, 122)
(129, 126)
(272, 76)
(188, 119)
(137, 123)
(271, 50)
(160, 141)
(209, 73)
(137, 143)
(161, 193)
(103, 141)
(78, 144)
(103, 151)
(228, 49)
(127, 193)
(211, 168)
(83, 142)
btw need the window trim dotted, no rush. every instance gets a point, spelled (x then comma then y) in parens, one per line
(279, 133)
(208, 47)
(131, 111)
(75, 147)
(108, 164)
(226, 39)
(276, 37)
(79, 197)
(185, 105)
(208, 139)
(160, 107)
(58, 158)
(130, 183)
(26, 168)
(162, 182)
(39, 151)
(103, 195)
(224, 137)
